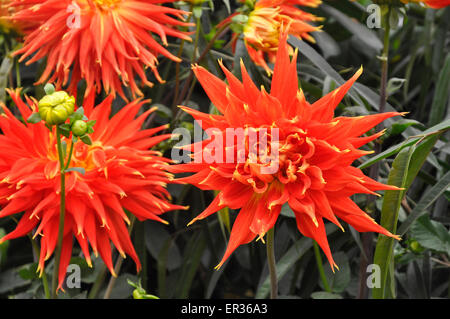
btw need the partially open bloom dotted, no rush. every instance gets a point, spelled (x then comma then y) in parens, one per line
(109, 43)
(120, 173)
(263, 27)
(436, 4)
(313, 172)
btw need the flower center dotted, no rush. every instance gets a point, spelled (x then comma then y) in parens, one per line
(290, 162)
(88, 156)
(106, 4)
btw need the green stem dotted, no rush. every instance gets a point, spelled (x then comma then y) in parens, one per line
(18, 80)
(70, 155)
(271, 262)
(98, 283)
(367, 238)
(187, 84)
(384, 63)
(177, 77)
(62, 213)
(197, 35)
(177, 71)
(113, 279)
(118, 265)
(44, 275)
(320, 267)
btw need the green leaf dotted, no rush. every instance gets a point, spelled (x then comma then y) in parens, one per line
(227, 5)
(431, 234)
(443, 126)
(405, 168)
(156, 235)
(441, 94)
(86, 139)
(28, 272)
(122, 289)
(325, 295)
(80, 170)
(5, 69)
(389, 217)
(360, 31)
(80, 110)
(191, 261)
(339, 280)
(429, 198)
(401, 125)
(322, 64)
(393, 85)
(163, 111)
(3, 247)
(34, 118)
(77, 116)
(10, 280)
(287, 211)
(65, 129)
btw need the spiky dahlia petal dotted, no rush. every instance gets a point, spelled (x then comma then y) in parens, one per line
(313, 172)
(121, 172)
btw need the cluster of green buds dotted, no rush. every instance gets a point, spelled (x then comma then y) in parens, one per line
(55, 108)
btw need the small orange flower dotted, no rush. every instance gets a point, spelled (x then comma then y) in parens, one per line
(313, 172)
(121, 173)
(263, 28)
(106, 42)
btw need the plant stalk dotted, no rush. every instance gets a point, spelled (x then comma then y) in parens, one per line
(367, 238)
(326, 286)
(271, 262)
(62, 213)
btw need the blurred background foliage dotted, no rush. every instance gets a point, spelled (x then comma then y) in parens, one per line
(179, 261)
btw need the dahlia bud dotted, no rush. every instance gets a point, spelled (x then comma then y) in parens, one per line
(56, 107)
(79, 128)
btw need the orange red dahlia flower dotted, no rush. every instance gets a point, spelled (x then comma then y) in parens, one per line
(121, 173)
(265, 23)
(109, 43)
(313, 172)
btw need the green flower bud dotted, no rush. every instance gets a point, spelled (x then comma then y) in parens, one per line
(55, 108)
(137, 294)
(79, 128)
(416, 247)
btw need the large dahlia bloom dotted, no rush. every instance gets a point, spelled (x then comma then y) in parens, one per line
(109, 43)
(313, 172)
(265, 23)
(121, 173)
